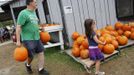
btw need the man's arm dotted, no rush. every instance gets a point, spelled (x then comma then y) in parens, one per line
(18, 31)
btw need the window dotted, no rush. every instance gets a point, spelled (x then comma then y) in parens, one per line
(125, 9)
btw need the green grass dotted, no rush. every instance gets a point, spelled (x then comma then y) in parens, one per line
(54, 55)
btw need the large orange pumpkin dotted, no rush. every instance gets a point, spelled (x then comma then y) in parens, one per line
(110, 27)
(132, 36)
(80, 40)
(127, 33)
(75, 44)
(118, 25)
(45, 37)
(122, 40)
(113, 37)
(108, 49)
(85, 44)
(132, 29)
(75, 35)
(82, 47)
(131, 24)
(120, 32)
(84, 54)
(20, 54)
(115, 43)
(108, 39)
(76, 52)
(103, 32)
(114, 33)
(102, 39)
(126, 27)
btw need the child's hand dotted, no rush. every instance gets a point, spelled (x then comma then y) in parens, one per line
(104, 42)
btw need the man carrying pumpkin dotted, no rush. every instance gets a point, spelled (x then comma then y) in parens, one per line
(27, 27)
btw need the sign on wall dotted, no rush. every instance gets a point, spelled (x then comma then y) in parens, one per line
(67, 9)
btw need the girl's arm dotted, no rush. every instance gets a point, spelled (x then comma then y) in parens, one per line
(98, 41)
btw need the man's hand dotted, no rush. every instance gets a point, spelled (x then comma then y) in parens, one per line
(42, 29)
(18, 44)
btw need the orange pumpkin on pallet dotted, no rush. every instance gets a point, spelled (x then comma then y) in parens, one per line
(76, 52)
(122, 40)
(118, 25)
(80, 40)
(75, 35)
(132, 36)
(85, 44)
(127, 33)
(82, 47)
(120, 32)
(84, 53)
(115, 43)
(109, 27)
(126, 27)
(114, 33)
(20, 54)
(108, 49)
(132, 29)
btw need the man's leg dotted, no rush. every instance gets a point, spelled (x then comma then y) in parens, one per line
(30, 45)
(41, 60)
(40, 51)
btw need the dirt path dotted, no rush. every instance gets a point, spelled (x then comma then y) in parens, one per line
(121, 65)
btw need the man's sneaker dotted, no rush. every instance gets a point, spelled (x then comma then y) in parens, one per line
(43, 72)
(28, 68)
(100, 73)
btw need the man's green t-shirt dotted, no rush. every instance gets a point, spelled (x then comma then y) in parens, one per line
(29, 25)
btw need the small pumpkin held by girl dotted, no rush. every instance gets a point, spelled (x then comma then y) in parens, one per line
(95, 53)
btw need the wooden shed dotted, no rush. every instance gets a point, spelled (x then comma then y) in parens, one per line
(71, 13)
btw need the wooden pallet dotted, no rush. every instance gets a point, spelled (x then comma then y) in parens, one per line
(87, 61)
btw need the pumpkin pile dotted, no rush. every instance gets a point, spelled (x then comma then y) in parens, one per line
(114, 36)
(80, 46)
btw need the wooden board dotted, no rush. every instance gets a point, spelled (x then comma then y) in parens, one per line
(87, 61)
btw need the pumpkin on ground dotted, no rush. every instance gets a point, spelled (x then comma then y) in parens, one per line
(20, 54)
(45, 37)
(84, 53)
(108, 49)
